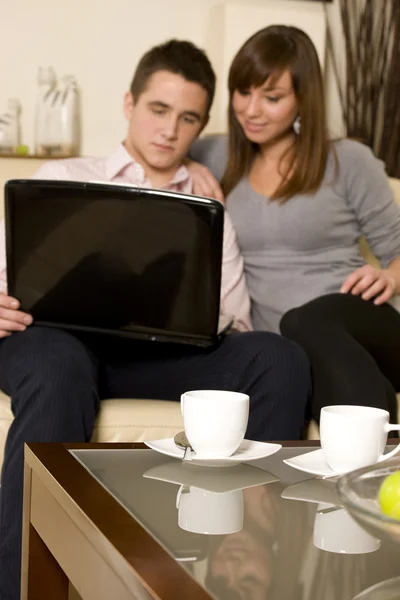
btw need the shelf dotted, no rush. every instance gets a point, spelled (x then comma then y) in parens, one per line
(35, 156)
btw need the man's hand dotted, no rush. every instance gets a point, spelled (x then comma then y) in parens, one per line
(204, 182)
(12, 319)
(368, 283)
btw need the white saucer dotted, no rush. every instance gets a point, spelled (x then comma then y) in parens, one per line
(312, 462)
(238, 477)
(247, 451)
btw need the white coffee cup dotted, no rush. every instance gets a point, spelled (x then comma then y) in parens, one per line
(354, 436)
(215, 421)
(336, 531)
(212, 513)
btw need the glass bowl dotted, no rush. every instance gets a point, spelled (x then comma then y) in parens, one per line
(385, 590)
(359, 490)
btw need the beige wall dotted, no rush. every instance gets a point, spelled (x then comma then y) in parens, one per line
(100, 41)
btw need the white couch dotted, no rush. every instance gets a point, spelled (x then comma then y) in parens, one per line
(119, 419)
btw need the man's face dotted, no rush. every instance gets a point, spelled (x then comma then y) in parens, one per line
(164, 121)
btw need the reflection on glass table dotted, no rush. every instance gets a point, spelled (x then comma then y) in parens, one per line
(270, 555)
(209, 502)
(334, 528)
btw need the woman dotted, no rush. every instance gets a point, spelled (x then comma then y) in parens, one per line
(300, 203)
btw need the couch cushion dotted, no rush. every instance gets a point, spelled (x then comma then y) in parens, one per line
(129, 420)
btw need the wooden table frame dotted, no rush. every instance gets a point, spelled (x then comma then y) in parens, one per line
(75, 531)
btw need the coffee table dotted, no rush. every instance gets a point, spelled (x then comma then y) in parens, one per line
(104, 518)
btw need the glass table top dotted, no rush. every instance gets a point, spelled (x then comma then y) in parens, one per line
(258, 531)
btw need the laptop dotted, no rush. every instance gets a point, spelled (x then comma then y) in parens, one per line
(116, 259)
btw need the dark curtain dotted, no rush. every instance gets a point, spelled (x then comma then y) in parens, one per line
(370, 89)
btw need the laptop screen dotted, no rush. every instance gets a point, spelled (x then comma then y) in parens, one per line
(114, 258)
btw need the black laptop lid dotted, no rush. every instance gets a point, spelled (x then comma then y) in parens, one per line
(115, 259)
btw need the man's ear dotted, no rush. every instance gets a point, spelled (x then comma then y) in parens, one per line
(128, 104)
(206, 119)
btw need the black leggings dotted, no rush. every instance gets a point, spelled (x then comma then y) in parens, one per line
(354, 350)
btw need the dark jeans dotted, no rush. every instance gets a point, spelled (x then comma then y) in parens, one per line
(57, 380)
(354, 350)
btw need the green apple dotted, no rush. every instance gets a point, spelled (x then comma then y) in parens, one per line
(389, 496)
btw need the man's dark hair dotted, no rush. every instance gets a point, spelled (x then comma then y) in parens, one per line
(175, 56)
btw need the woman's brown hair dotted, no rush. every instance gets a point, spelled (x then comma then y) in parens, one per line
(268, 53)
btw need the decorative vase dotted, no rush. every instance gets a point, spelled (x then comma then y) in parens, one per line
(57, 115)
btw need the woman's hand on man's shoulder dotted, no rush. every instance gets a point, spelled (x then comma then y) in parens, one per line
(204, 182)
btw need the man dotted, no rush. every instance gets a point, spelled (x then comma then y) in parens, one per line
(56, 379)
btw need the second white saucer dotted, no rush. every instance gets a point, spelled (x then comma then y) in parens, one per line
(312, 462)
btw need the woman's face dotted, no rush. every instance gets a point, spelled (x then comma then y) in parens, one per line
(266, 113)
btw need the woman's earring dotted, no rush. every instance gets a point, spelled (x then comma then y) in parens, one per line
(297, 125)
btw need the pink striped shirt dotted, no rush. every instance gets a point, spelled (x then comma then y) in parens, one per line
(120, 167)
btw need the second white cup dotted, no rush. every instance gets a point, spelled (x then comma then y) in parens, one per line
(354, 436)
(215, 421)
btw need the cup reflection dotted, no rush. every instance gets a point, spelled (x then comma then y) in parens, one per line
(211, 513)
(335, 530)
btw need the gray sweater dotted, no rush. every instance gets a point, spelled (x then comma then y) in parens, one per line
(306, 247)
